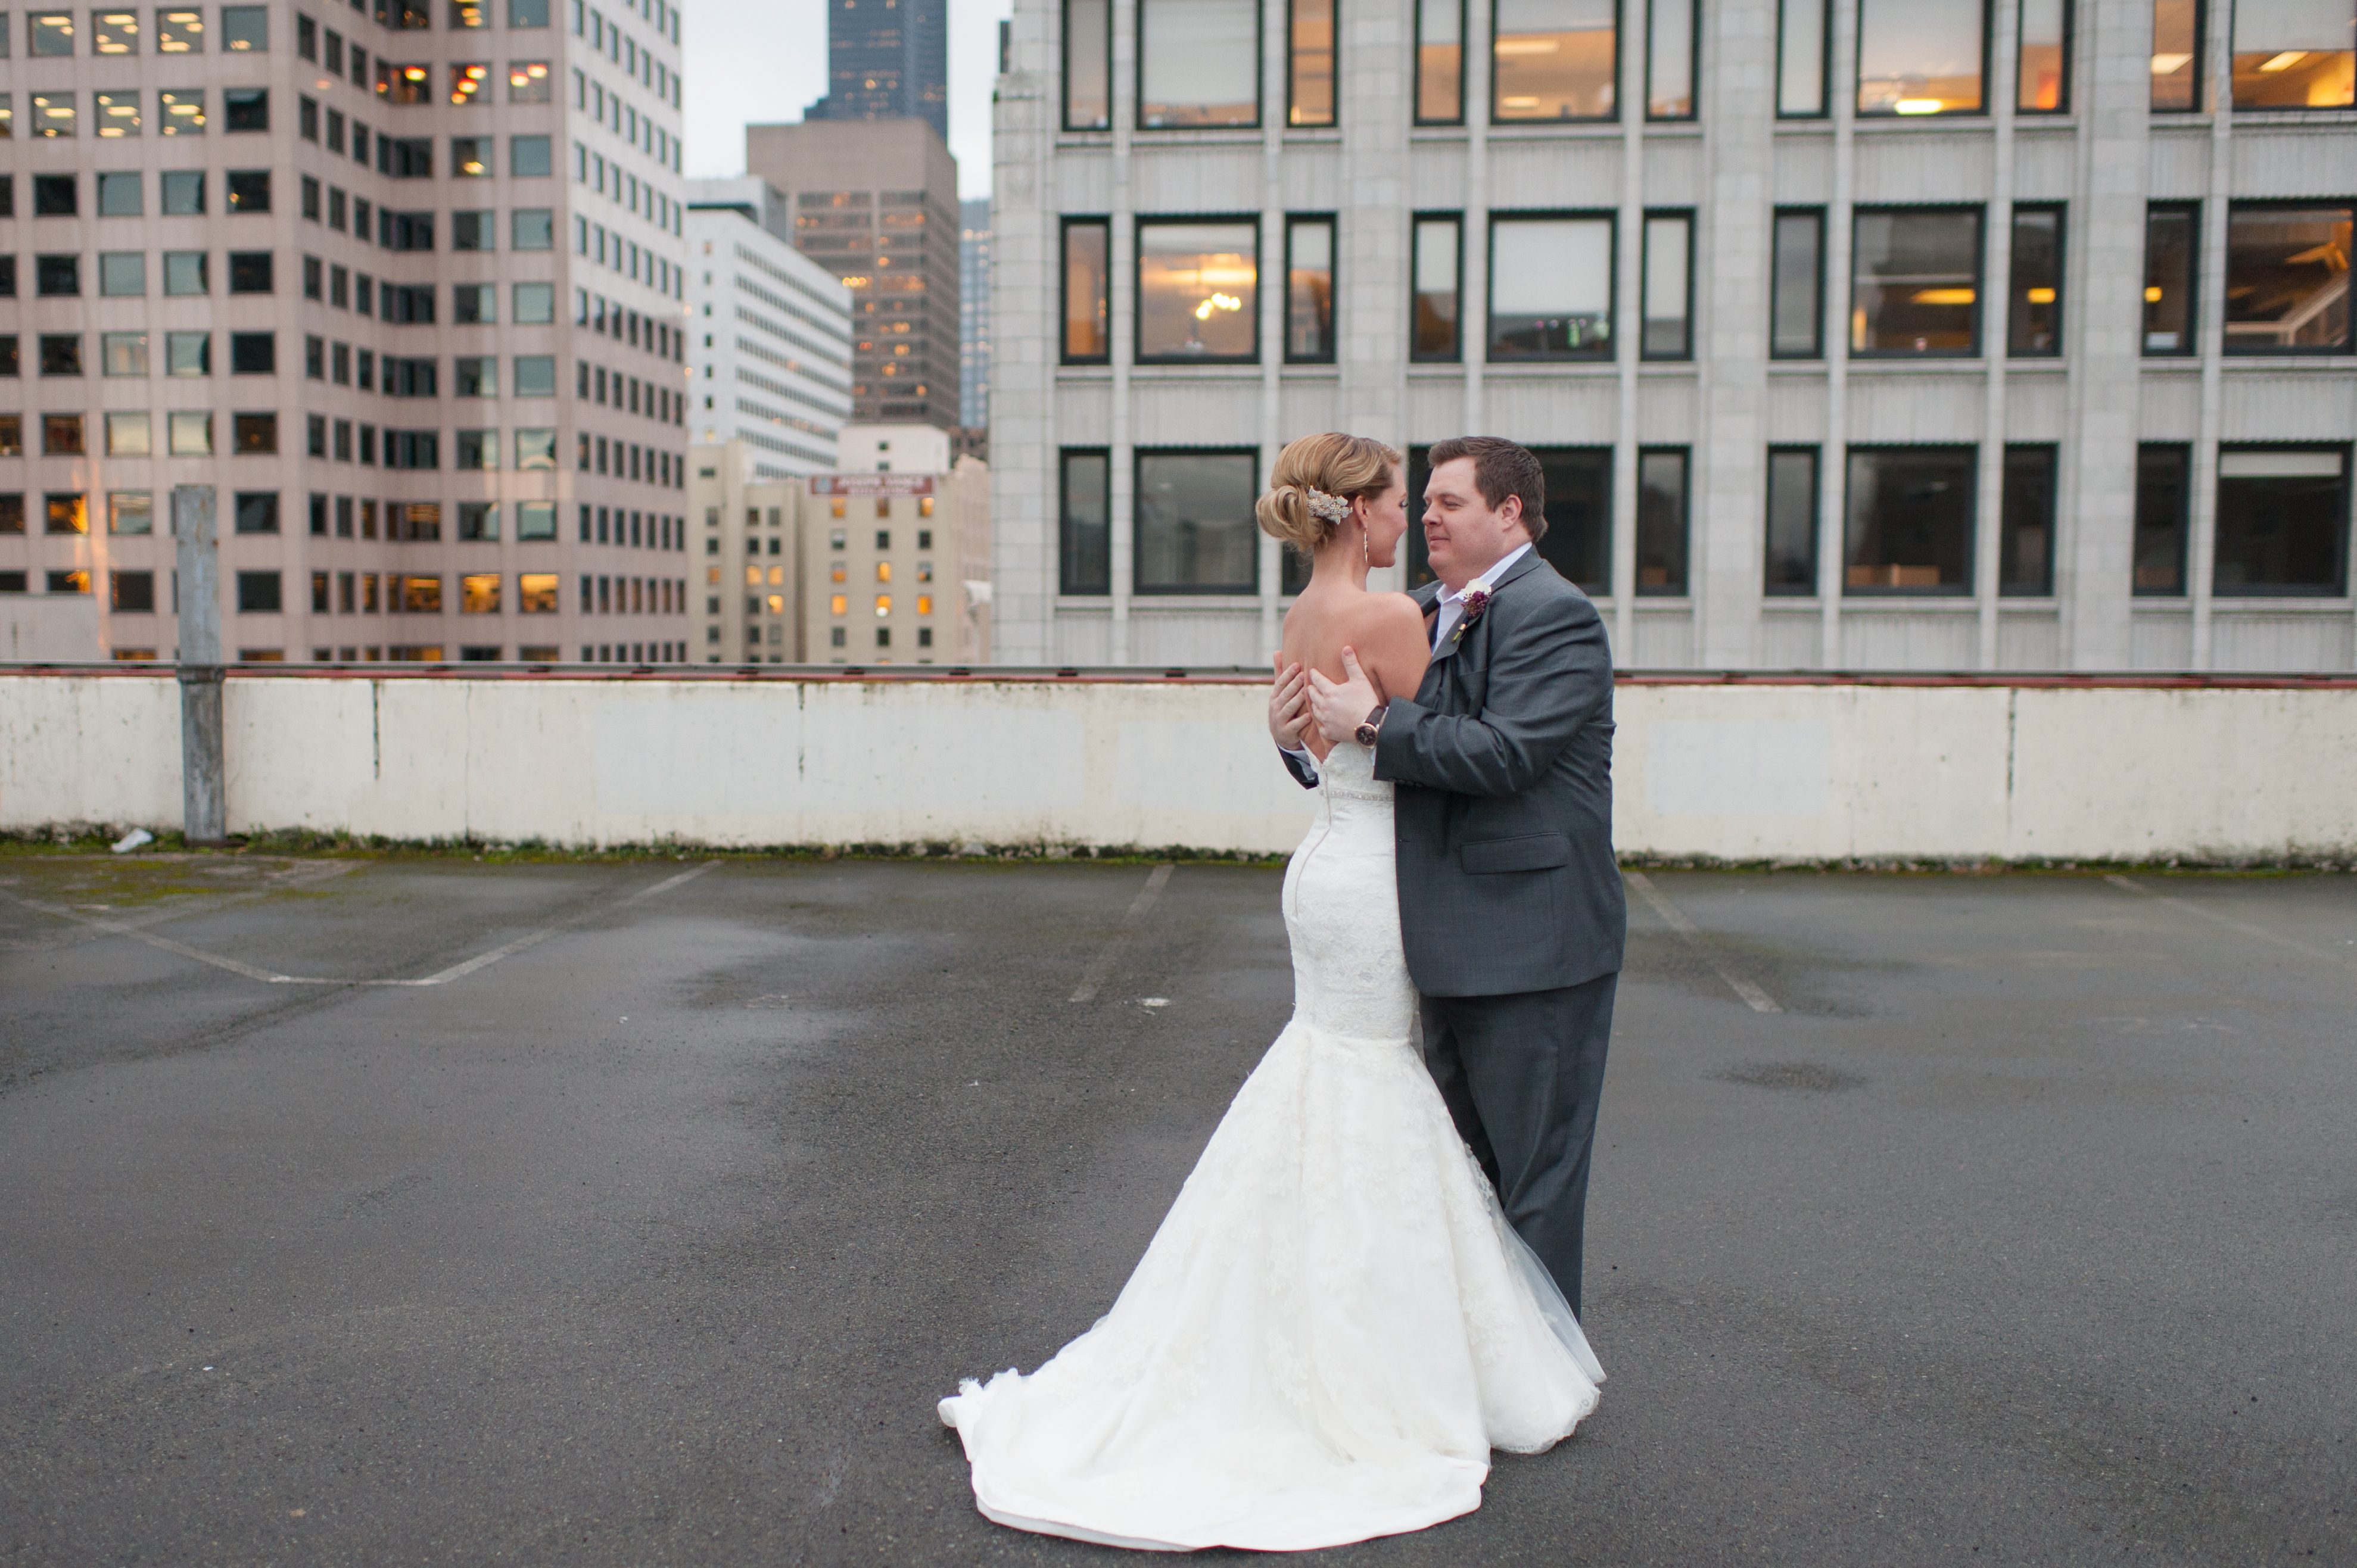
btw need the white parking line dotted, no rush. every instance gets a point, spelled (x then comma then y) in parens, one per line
(1755, 999)
(1102, 969)
(440, 977)
(2189, 908)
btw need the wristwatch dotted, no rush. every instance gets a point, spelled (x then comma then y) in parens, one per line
(1370, 725)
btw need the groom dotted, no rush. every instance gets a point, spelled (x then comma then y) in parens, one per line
(1511, 907)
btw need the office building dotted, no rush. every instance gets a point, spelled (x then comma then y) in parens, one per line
(896, 551)
(875, 202)
(769, 332)
(887, 59)
(974, 325)
(403, 288)
(751, 555)
(1973, 334)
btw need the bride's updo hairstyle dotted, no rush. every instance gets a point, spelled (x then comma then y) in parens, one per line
(1315, 479)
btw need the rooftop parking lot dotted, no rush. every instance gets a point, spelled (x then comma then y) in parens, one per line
(637, 1211)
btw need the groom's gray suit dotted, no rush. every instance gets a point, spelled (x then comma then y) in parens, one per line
(1511, 907)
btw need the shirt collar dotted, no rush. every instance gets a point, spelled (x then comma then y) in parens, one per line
(1497, 567)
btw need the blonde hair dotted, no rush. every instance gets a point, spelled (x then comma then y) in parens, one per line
(1315, 479)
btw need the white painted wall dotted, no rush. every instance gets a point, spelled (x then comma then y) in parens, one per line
(1789, 772)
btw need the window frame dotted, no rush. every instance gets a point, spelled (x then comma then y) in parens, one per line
(1694, 64)
(1139, 224)
(1415, 221)
(2191, 347)
(1064, 356)
(2234, 15)
(1824, 109)
(2070, 59)
(1683, 588)
(2340, 586)
(1137, 74)
(2347, 344)
(1610, 218)
(1817, 274)
(1812, 588)
(1982, 110)
(1968, 589)
(1416, 63)
(1332, 223)
(1138, 458)
(1644, 280)
(2193, 63)
(2182, 451)
(1978, 346)
(1065, 585)
(1333, 120)
(1621, 9)
(2061, 273)
(2053, 451)
(1064, 82)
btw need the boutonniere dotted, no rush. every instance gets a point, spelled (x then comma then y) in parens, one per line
(1475, 599)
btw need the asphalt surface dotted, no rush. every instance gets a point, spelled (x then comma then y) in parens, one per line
(2025, 1230)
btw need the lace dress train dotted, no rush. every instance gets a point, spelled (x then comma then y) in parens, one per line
(1334, 1324)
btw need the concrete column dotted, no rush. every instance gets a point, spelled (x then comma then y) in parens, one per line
(1833, 467)
(1995, 306)
(2210, 297)
(1025, 254)
(1473, 272)
(197, 553)
(1628, 329)
(1274, 281)
(1120, 299)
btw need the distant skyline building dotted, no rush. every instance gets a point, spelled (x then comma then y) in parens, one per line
(887, 59)
(770, 332)
(973, 314)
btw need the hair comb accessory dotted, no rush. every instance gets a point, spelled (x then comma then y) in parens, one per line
(1326, 507)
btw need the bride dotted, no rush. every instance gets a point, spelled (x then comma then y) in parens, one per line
(1335, 1324)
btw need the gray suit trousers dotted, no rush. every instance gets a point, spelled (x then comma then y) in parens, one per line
(1521, 1075)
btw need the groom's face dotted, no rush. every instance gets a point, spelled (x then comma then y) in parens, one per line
(1464, 536)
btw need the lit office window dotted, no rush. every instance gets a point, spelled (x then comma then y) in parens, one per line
(52, 33)
(1554, 59)
(1669, 291)
(1661, 522)
(1309, 63)
(114, 32)
(1309, 290)
(2295, 54)
(2283, 522)
(1801, 43)
(2034, 296)
(1435, 328)
(1791, 553)
(2163, 489)
(1195, 530)
(2175, 56)
(1083, 531)
(1550, 288)
(1578, 542)
(1088, 65)
(2025, 567)
(2042, 85)
(1915, 281)
(1910, 524)
(1087, 244)
(1197, 295)
(1439, 62)
(1796, 303)
(1197, 63)
(1670, 59)
(1921, 56)
(2287, 279)
(2169, 257)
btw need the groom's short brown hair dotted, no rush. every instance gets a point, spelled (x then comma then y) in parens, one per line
(1501, 468)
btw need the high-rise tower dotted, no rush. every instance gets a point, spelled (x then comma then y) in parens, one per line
(887, 59)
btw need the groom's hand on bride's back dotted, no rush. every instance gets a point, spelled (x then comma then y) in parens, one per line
(1288, 706)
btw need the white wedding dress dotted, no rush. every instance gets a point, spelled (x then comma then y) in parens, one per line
(1334, 1324)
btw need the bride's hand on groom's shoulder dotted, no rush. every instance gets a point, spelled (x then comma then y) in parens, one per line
(1288, 706)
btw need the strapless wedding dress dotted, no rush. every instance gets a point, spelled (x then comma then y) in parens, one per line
(1334, 1324)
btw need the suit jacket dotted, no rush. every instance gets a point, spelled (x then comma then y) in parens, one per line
(1503, 769)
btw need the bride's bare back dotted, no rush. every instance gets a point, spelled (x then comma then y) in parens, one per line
(1385, 633)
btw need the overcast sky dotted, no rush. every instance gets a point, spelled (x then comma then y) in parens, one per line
(755, 60)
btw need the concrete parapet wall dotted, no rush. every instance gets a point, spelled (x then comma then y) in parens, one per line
(1782, 769)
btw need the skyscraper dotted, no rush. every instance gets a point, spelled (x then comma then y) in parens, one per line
(974, 315)
(887, 59)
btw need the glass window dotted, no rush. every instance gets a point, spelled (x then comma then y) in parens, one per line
(529, 156)
(2288, 279)
(2025, 566)
(1910, 525)
(69, 512)
(1088, 65)
(179, 32)
(114, 32)
(245, 28)
(1195, 530)
(2175, 56)
(470, 158)
(474, 375)
(1554, 59)
(2163, 489)
(2034, 297)
(1915, 284)
(1087, 340)
(258, 593)
(1579, 538)
(1670, 59)
(188, 353)
(62, 436)
(184, 192)
(1197, 63)
(117, 113)
(1669, 296)
(1083, 530)
(190, 434)
(535, 449)
(2283, 521)
(535, 303)
(180, 112)
(57, 276)
(56, 196)
(1436, 289)
(248, 189)
(1801, 38)
(529, 82)
(1921, 56)
(132, 511)
(537, 520)
(1796, 303)
(123, 273)
(60, 353)
(2168, 260)
(184, 272)
(530, 229)
(479, 521)
(251, 272)
(1439, 62)
(123, 353)
(470, 230)
(1309, 290)
(134, 592)
(2295, 54)
(1791, 555)
(1550, 288)
(1197, 299)
(474, 303)
(256, 511)
(533, 14)
(53, 115)
(52, 32)
(128, 436)
(119, 196)
(1309, 63)
(536, 375)
(1661, 522)
(246, 109)
(2043, 83)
